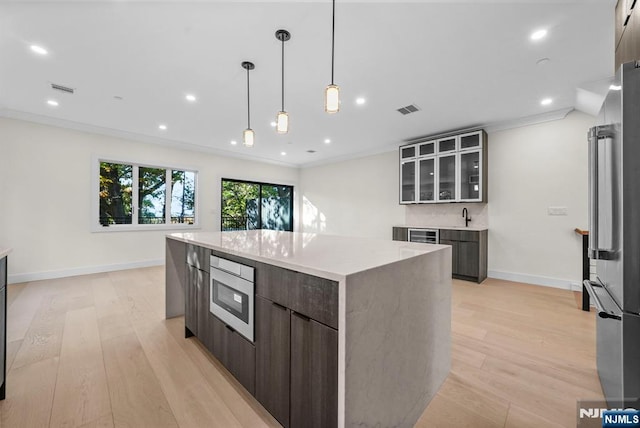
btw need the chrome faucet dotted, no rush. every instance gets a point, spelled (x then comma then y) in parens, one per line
(465, 215)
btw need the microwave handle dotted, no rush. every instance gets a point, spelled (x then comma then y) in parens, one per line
(596, 134)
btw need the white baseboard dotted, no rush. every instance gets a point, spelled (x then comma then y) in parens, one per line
(564, 284)
(87, 270)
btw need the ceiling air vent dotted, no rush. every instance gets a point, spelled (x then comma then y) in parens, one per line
(411, 108)
(311, 151)
(62, 88)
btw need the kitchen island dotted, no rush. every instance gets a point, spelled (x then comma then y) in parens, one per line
(392, 321)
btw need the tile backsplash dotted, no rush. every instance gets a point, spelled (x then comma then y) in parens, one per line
(446, 215)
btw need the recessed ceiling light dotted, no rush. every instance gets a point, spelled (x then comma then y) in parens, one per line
(327, 141)
(39, 50)
(162, 127)
(283, 153)
(190, 97)
(52, 103)
(273, 124)
(360, 101)
(234, 142)
(546, 101)
(615, 87)
(538, 34)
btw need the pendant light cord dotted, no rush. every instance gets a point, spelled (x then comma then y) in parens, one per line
(333, 37)
(282, 73)
(248, 102)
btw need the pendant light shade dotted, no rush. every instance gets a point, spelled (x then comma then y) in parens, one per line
(332, 99)
(332, 93)
(282, 122)
(282, 118)
(248, 136)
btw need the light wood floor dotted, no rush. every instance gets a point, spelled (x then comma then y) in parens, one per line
(95, 351)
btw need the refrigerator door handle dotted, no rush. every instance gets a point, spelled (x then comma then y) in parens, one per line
(603, 312)
(596, 134)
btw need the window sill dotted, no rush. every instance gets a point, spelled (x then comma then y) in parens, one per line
(142, 228)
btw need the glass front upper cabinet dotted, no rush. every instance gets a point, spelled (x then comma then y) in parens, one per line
(447, 178)
(447, 145)
(407, 152)
(427, 180)
(427, 149)
(472, 140)
(470, 166)
(408, 182)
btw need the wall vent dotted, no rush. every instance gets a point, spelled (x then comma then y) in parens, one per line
(311, 151)
(411, 108)
(62, 88)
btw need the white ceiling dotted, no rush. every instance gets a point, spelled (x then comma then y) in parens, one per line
(463, 63)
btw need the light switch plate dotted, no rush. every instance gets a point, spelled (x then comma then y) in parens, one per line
(557, 210)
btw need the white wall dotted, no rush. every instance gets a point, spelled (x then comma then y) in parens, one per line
(45, 190)
(530, 169)
(357, 197)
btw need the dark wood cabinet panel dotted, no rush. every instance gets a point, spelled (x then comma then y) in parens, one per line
(191, 301)
(274, 283)
(241, 357)
(198, 257)
(454, 254)
(3, 327)
(220, 342)
(314, 374)
(273, 330)
(315, 298)
(202, 290)
(468, 258)
(459, 235)
(400, 234)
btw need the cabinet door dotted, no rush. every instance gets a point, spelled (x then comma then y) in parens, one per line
(454, 254)
(191, 300)
(408, 182)
(447, 178)
(241, 359)
(202, 302)
(427, 180)
(220, 340)
(468, 259)
(400, 234)
(273, 343)
(408, 152)
(470, 174)
(448, 144)
(427, 149)
(472, 140)
(314, 374)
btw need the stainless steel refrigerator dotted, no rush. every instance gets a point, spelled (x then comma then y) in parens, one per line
(614, 236)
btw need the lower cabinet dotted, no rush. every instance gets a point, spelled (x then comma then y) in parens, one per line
(468, 253)
(273, 342)
(314, 368)
(196, 301)
(235, 352)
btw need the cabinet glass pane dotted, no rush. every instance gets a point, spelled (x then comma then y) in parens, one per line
(447, 178)
(427, 179)
(427, 149)
(470, 175)
(408, 181)
(408, 152)
(447, 145)
(470, 141)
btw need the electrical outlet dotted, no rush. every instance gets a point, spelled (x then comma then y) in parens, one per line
(557, 210)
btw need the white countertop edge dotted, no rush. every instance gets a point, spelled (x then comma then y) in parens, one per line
(4, 252)
(470, 228)
(300, 267)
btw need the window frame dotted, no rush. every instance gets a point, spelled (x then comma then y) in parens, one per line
(259, 183)
(96, 226)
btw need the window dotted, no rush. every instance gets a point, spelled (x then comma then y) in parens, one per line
(250, 205)
(132, 196)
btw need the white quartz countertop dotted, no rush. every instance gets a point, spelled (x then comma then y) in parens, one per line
(470, 227)
(329, 256)
(4, 251)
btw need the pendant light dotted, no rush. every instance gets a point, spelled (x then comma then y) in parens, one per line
(282, 119)
(332, 92)
(248, 135)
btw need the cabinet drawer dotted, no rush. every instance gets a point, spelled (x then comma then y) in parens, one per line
(274, 283)
(198, 257)
(316, 298)
(236, 353)
(459, 235)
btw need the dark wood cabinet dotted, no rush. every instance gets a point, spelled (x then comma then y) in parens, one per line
(196, 302)
(3, 326)
(273, 339)
(468, 253)
(234, 352)
(314, 373)
(400, 234)
(315, 298)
